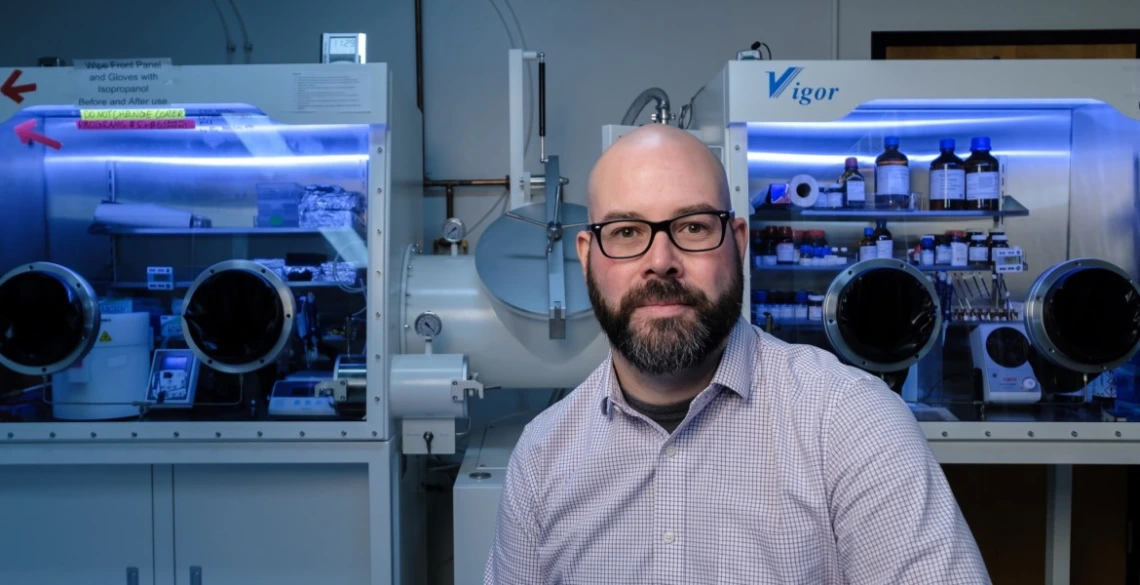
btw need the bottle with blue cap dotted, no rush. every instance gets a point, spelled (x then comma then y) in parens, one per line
(892, 176)
(868, 246)
(947, 179)
(983, 178)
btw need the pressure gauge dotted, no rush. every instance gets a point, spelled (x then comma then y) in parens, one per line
(428, 324)
(454, 231)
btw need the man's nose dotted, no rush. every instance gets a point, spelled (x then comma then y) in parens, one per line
(663, 258)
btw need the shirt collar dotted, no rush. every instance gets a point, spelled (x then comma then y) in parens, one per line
(734, 371)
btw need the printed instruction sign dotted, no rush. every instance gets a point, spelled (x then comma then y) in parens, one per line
(135, 119)
(115, 83)
(347, 90)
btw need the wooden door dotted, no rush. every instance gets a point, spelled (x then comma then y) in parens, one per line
(1045, 44)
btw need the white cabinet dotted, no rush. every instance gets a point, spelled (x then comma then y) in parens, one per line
(280, 524)
(206, 514)
(68, 524)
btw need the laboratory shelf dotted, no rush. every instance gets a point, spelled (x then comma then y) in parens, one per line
(841, 267)
(797, 323)
(183, 285)
(1010, 207)
(100, 229)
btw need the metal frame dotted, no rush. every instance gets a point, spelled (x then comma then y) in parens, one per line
(91, 316)
(520, 178)
(395, 175)
(831, 313)
(1035, 327)
(288, 307)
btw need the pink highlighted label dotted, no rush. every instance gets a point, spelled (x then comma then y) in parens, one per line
(134, 124)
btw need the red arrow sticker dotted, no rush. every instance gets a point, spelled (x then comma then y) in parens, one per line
(13, 91)
(26, 134)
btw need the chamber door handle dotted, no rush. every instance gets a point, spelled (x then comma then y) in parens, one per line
(195, 575)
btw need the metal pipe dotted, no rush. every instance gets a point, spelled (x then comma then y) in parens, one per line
(542, 107)
(504, 182)
(420, 55)
(449, 186)
(430, 183)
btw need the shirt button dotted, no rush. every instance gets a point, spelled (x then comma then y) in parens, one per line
(670, 537)
(670, 451)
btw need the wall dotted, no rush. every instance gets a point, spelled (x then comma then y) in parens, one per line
(600, 55)
(858, 18)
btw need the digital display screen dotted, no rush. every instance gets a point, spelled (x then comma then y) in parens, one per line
(175, 362)
(342, 45)
(160, 277)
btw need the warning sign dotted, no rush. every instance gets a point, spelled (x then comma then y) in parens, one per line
(105, 337)
(134, 114)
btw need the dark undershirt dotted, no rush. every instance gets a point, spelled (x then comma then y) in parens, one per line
(668, 416)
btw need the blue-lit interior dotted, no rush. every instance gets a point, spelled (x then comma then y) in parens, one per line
(1073, 164)
(211, 170)
(234, 185)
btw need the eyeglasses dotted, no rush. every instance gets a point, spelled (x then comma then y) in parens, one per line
(700, 231)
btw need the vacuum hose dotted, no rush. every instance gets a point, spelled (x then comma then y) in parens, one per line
(652, 94)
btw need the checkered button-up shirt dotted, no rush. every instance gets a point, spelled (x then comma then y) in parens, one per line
(790, 468)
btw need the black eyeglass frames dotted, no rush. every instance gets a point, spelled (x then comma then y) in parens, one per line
(699, 231)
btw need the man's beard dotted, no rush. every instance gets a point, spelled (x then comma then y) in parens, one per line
(665, 346)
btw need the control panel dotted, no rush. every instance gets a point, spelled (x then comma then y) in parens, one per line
(300, 399)
(173, 379)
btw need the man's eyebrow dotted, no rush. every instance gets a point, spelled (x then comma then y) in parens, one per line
(696, 208)
(615, 215)
(622, 215)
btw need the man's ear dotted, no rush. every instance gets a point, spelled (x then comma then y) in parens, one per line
(583, 245)
(740, 232)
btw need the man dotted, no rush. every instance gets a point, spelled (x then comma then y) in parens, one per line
(704, 450)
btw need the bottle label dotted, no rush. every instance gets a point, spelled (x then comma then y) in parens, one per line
(927, 257)
(948, 184)
(835, 198)
(815, 313)
(892, 180)
(867, 252)
(884, 249)
(942, 254)
(958, 254)
(856, 192)
(785, 253)
(982, 186)
(979, 254)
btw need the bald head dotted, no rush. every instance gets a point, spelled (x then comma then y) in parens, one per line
(664, 262)
(654, 159)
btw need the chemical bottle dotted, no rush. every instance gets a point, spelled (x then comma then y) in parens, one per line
(884, 243)
(982, 176)
(947, 179)
(892, 176)
(852, 184)
(867, 247)
(785, 246)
